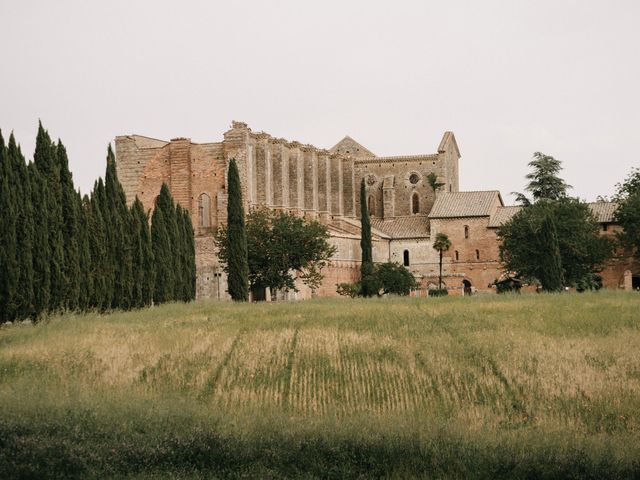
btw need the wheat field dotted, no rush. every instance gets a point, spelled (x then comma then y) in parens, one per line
(544, 386)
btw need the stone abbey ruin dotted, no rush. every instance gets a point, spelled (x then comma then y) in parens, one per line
(406, 212)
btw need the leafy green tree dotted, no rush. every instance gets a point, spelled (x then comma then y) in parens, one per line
(282, 247)
(441, 245)
(180, 257)
(544, 181)
(369, 283)
(395, 278)
(627, 214)
(525, 244)
(237, 264)
(551, 273)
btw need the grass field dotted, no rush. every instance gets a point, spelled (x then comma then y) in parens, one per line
(539, 386)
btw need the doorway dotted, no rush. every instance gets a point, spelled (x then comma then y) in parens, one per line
(467, 287)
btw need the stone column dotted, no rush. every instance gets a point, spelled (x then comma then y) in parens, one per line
(628, 281)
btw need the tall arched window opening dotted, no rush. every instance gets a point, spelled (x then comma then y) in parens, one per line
(406, 258)
(204, 210)
(415, 203)
(457, 255)
(466, 231)
(371, 205)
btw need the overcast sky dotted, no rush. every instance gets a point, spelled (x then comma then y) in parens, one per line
(508, 77)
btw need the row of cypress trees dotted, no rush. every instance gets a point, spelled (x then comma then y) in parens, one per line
(60, 251)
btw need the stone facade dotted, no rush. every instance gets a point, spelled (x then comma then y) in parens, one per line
(323, 185)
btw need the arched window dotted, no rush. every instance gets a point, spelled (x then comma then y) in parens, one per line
(466, 231)
(477, 254)
(406, 258)
(457, 255)
(371, 205)
(204, 210)
(415, 203)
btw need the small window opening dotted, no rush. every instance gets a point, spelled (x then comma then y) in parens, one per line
(406, 258)
(477, 254)
(415, 203)
(605, 227)
(457, 255)
(466, 231)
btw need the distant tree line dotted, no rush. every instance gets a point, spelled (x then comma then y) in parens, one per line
(60, 251)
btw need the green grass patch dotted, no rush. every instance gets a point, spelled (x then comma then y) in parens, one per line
(531, 386)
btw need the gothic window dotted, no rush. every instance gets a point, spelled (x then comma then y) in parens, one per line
(204, 210)
(414, 178)
(415, 203)
(371, 205)
(406, 258)
(477, 254)
(466, 231)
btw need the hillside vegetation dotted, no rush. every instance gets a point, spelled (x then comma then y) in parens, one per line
(544, 386)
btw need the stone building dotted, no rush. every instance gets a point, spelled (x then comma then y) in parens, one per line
(323, 184)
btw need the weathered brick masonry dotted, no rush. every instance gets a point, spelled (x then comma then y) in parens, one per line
(324, 185)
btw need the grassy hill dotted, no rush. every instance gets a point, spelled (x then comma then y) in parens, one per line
(540, 386)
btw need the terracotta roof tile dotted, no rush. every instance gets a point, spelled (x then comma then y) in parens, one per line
(403, 227)
(465, 204)
(503, 215)
(603, 211)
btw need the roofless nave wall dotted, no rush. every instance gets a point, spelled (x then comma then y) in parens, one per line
(324, 185)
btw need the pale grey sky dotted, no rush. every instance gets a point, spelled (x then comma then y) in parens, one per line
(508, 77)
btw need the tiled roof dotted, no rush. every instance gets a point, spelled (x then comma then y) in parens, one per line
(603, 211)
(403, 227)
(503, 215)
(464, 204)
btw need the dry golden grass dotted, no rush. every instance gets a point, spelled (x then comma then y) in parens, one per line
(542, 364)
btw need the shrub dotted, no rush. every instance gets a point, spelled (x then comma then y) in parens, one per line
(352, 290)
(438, 292)
(395, 278)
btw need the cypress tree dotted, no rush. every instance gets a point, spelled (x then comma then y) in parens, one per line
(45, 160)
(70, 228)
(9, 268)
(105, 274)
(148, 268)
(101, 266)
(162, 248)
(368, 282)
(551, 272)
(24, 230)
(41, 245)
(142, 292)
(179, 256)
(190, 255)
(118, 228)
(83, 207)
(238, 266)
(365, 227)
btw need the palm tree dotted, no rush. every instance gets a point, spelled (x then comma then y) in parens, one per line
(441, 244)
(432, 180)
